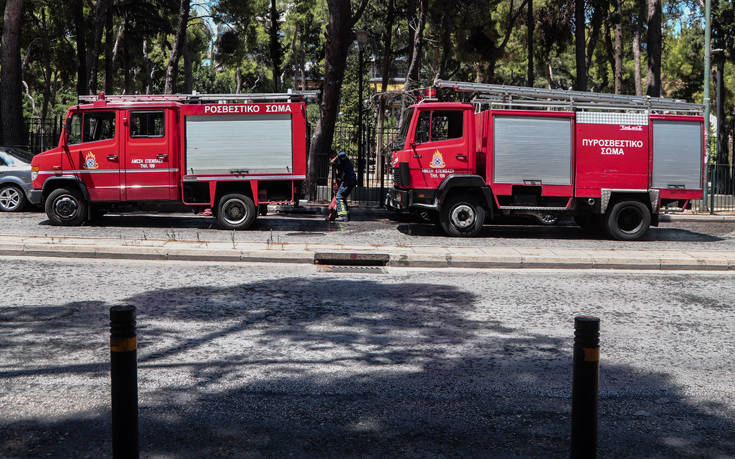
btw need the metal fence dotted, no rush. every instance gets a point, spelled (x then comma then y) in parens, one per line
(719, 191)
(374, 176)
(42, 134)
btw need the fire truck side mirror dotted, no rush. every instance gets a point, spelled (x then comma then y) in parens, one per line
(67, 129)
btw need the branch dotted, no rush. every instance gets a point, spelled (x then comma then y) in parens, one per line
(358, 13)
(512, 18)
(33, 102)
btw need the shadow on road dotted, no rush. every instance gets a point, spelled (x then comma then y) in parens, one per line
(296, 369)
(560, 232)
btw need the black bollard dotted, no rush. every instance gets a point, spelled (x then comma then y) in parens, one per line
(585, 386)
(124, 375)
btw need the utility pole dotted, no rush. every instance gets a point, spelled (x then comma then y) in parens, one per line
(707, 34)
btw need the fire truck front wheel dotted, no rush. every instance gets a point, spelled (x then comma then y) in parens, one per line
(462, 216)
(628, 220)
(66, 207)
(235, 211)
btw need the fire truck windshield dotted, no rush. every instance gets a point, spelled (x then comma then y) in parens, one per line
(400, 139)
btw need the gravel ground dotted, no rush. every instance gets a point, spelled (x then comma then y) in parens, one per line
(372, 229)
(273, 360)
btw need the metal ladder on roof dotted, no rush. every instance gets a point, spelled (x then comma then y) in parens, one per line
(504, 95)
(293, 96)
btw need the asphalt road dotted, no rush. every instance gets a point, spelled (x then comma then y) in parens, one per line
(372, 229)
(278, 360)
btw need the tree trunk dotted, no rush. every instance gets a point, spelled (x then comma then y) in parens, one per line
(412, 74)
(80, 28)
(385, 70)
(10, 92)
(172, 69)
(529, 43)
(722, 150)
(579, 25)
(147, 68)
(188, 74)
(653, 79)
(339, 39)
(100, 13)
(275, 45)
(109, 77)
(446, 48)
(127, 81)
(637, 31)
(618, 47)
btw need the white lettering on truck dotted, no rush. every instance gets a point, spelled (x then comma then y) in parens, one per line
(612, 146)
(244, 108)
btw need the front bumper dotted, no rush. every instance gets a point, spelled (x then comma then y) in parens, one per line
(397, 199)
(35, 197)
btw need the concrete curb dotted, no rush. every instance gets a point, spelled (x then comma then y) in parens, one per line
(391, 256)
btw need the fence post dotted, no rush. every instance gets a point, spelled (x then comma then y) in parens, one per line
(713, 186)
(585, 386)
(124, 382)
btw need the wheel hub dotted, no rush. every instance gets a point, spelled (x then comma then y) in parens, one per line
(463, 216)
(66, 207)
(9, 198)
(629, 220)
(235, 212)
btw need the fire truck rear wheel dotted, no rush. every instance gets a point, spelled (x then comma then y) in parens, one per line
(236, 211)
(628, 220)
(66, 207)
(462, 216)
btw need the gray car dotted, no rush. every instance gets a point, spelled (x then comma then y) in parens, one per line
(15, 178)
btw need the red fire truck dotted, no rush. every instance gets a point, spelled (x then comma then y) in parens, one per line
(610, 161)
(231, 153)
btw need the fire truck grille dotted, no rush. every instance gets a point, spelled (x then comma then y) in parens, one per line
(397, 176)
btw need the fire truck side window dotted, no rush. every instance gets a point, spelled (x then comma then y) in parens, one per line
(75, 135)
(422, 127)
(147, 124)
(445, 125)
(99, 126)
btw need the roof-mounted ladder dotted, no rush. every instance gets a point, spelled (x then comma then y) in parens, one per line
(576, 100)
(294, 96)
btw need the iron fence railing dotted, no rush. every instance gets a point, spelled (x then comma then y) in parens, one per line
(42, 133)
(371, 166)
(719, 190)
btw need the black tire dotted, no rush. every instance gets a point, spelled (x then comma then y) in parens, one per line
(12, 198)
(235, 211)
(628, 220)
(461, 216)
(66, 207)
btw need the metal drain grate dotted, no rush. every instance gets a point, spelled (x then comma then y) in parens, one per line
(352, 269)
(351, 259)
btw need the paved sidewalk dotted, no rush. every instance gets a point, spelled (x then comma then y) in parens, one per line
(396, 256)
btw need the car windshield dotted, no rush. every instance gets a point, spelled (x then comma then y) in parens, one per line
(400, 139)
(22, 155)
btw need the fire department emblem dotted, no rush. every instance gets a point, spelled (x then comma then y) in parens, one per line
(90, 162)
(437, 161)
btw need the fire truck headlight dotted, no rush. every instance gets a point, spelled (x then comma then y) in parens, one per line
(34, 172)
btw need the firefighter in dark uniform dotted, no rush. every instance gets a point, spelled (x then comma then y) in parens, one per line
(346, 180)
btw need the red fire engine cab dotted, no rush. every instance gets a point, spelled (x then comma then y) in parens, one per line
(610, 161)
(231, 153)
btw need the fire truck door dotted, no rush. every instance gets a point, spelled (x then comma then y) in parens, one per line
(148, 173)
(441, 147)
(95, 154)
